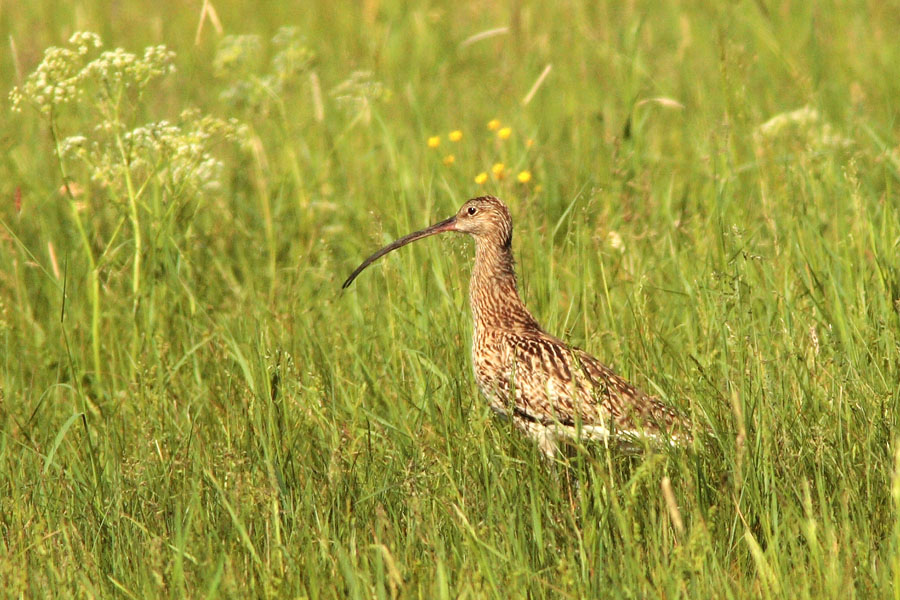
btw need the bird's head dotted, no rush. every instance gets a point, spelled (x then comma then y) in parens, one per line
(485, 218)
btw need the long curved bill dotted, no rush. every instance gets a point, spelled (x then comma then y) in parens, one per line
(445, 225)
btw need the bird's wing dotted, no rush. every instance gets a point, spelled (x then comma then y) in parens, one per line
(545, 377)
(556, 383)
(633, 410)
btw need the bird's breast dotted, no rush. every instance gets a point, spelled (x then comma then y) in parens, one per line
(490, 363)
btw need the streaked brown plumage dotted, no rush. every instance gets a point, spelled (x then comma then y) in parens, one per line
(549, 389)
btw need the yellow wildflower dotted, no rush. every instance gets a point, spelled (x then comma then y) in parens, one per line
(481, 178)
(455, 135)
(498, 170)
(494, 124)
(529, 143)
(504, 133)
(524, 176)
(434, 141)
(449, 160)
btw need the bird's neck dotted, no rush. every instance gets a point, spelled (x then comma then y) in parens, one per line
(493, 293)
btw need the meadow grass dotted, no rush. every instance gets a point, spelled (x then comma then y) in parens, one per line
(191, 407)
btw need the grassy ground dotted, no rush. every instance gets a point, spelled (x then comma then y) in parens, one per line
(189, 406)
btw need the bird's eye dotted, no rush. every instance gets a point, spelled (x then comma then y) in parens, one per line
(472, 210)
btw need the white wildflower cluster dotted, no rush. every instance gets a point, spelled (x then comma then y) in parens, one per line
(237, 54)
(357, 93)
(74, 145)
(181, 154)
(55, 81)
(293, 57)
(239, 60)
(125, 69)
(177, 155)
(85, 41)
(615, 241)
(113, 153)
(804, 124)
(65, 72)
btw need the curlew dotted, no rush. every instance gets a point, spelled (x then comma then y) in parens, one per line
(552, 391)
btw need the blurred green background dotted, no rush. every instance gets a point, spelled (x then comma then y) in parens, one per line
(189, 406)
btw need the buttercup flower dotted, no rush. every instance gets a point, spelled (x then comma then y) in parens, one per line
(449, 160)
(455, 135)
(434, 141)
(504, 133)
(498, 170)
(524, 176)
(481, 178)
(494, 124)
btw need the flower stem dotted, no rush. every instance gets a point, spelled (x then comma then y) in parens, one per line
(94, 276)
